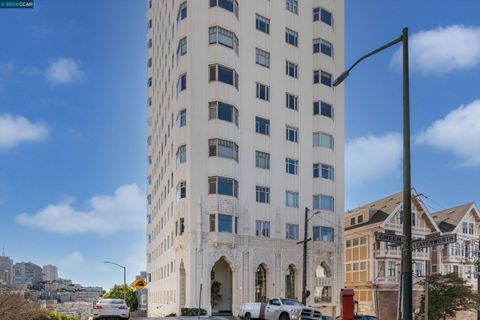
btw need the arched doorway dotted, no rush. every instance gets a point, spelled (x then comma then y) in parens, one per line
(182, 286)
(290, 282)
(261, 284)
(323, 290)
(221, 287)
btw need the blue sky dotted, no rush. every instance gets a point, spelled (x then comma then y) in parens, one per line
(72, 123)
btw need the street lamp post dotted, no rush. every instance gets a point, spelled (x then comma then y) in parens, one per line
(124, 278)
(407, 205)
(304, 242)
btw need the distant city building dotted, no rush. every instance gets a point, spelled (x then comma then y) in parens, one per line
(6, 270)
(27, 273)
(50, 273)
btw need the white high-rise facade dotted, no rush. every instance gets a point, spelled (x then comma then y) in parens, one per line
(50, 273)
(245, 130)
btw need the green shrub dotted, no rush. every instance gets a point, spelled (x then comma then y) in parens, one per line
(193, 312)
(56, 316)
(171, 315)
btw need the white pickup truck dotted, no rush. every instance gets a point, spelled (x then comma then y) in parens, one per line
(278, 309)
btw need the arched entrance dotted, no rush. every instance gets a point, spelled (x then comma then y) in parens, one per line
(221, 287)
(261, 284)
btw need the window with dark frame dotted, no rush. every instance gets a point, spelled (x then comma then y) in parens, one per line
(262, 24)
(263, 92)
(222, 185)
(291, 101)
(223, 111)
(262, 126)
(229, 5)
(291, 37)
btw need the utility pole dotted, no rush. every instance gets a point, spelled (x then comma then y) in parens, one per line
(427, 287)
(407, 205)
(305, 240)
(407, 199)
(305, 292)
(399, 302)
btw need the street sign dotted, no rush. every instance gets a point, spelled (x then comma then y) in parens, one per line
(139, 283)
(433, 235)
(388, 236)
(434, 241)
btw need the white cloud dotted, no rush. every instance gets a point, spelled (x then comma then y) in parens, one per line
(439, 51)
(108, 214)
(75, 259)
(16, 129)
(63, 71)
(458, 132)
(372, 158)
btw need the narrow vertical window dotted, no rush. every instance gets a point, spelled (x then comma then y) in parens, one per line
(182, 12)
(263, 194)
(182, 118)
(181, 156)
(292, 6)
(291, 166)
(181, 190)
(262, 58)
(291, 134)
(263, 92)
(182, 48)
(262, 126)
(291, 101)
(262, 160)
(291, 37)
(262, 228)
(291, 199)
(182, 83)
(291, 69)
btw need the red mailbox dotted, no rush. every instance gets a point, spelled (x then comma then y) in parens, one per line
(347, 304)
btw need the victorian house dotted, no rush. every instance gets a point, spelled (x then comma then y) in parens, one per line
(373, 268)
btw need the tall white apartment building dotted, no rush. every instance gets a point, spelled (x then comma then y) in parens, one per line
(49, 273)
(245, 130)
